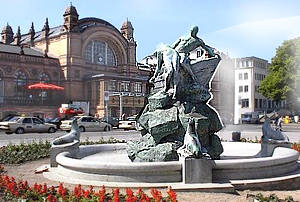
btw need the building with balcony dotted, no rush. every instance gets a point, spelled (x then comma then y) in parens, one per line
(89, 57)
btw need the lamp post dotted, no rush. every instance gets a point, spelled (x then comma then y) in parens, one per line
(121, 107)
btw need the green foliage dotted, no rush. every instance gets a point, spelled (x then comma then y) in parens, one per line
(282, 80)
(272, 198)
(16, 154)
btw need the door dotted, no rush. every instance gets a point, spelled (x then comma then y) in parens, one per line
(27, 124)
(38, 125)
(98, 125)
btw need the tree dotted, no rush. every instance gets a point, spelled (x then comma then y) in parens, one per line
(282, 82)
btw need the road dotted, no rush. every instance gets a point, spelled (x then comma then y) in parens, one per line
(248, 131)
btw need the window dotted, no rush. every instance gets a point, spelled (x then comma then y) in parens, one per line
(37, 121)
(99, 52)
(260, 103)
(21, 82)
(85, 119)
(240, 76)
(45, 78)
(77, 73)
(249, 63)
(244, 63)
(245, 76)
(113, 85)
(125, 86)
(240, 88)
(138, 87)
(245, 103)
(256, 103)
(199, 53)
(245, 88)
(256, 88)
(27, 120)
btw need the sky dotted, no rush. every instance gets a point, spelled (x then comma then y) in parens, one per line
(240, 28)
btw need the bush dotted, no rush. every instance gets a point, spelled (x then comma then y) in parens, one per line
(16, 154)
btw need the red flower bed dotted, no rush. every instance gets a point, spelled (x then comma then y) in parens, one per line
(10, 190)
(296, 147)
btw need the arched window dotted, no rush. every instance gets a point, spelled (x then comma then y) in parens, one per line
(45, 78)
(21, 81)
(99, 52)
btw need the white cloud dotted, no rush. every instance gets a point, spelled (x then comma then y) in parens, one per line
(257, 38)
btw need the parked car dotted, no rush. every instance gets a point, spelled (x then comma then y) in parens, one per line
(20, 125)
(86, 123)
(250, 117)
(129, 124)
(56, 121)
(113, 121)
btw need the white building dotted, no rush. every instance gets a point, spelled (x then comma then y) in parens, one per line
(249, 73)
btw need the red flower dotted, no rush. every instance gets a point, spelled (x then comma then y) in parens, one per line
(60, 188)
(102, 194)
(64, 192)
(45, 189)
(17, 194)
(86, 194)
(117, 195)
(50, 197)
(172, 194)
(130, 196)
(156, 194)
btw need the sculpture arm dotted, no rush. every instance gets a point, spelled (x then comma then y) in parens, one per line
(175, 44)
(209, 50)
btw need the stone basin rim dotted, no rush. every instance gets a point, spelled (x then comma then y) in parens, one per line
(281, 156)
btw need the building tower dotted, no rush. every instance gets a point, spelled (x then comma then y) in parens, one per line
(127, 32)
(70, 17)
(7, 34)
(32, 34)
(46, 30)
(18, 37)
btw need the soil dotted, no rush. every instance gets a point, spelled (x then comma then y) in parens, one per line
(26, 172)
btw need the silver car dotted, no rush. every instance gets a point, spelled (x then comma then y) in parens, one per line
(86, 123)
(20, 125)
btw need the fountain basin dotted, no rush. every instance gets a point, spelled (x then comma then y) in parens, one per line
(109, 164)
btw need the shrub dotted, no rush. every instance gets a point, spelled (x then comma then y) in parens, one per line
(16, 154)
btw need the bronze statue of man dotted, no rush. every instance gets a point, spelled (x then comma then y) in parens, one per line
(176, 56)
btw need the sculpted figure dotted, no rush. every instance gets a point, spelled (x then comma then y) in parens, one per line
(191, 145)
(171, 58)
(269, 134)
(74, 134)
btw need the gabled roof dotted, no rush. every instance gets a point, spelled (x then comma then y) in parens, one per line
(16, 50)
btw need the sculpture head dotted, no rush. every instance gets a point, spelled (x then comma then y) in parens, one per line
(75, 126)
(194, 31)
